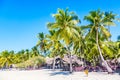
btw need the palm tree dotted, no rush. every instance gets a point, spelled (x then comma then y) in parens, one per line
(80, 45)
(91, 51)
(35, 51)
(53, 45)
(97, 30)
(65, 27)
(12, 56)
(118, 38)
(5, 59)
(27, 53)
(114, 46)
(21, 56)
(55, 51)
(18, 57)
(109, 18)
(22, 53)
(42, 42)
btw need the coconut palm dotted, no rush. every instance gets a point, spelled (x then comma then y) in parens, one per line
(98, 30)
(55, 51)
(109, 18)
(42, 42)
(18, 57)
(54, 46)
(91, 52)
(80, 45)
(22, 55)
(118, 38)
(5, 60)
(12, 56)
(65, 27)
(27, 54)
(35, 51)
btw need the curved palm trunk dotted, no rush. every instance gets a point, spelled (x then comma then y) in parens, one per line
(106, 65)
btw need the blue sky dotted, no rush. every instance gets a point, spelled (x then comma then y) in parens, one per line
(22, 20)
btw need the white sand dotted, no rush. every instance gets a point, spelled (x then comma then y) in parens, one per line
(56, 75)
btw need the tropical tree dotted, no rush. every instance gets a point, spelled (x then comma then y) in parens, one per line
(5, 60)
(33, 62)
(53, 45)
(42, 42)
(91, 52)
(65, 27)
(35, 51)
(98, 30)
(20, 56)
(114, 46)
(118, 38)
(12, 56)
(79, 46)
(28, 54)
(109, 18)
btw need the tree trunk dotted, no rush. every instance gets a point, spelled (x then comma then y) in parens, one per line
(34, 67)
(82, 52)
(70, 57)
(84, 62)
(54, 63)
(109, 31)
(106, 65)
(29, 55)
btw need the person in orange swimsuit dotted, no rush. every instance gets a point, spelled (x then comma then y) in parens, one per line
(86, 71)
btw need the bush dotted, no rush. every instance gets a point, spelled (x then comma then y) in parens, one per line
(33, 62)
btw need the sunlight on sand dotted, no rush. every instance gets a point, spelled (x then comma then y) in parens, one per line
(55, 75)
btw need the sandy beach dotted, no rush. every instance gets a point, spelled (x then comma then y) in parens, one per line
(55, 75)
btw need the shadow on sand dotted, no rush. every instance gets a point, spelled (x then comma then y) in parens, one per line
(59, 73)
(118, 71)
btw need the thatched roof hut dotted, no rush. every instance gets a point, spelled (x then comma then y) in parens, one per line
(65, 60)
(74, 59)
(49, 60)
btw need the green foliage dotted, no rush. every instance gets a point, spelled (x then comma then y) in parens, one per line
(65, 25)
(118, 38)
(67, 36)
(36, 61)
